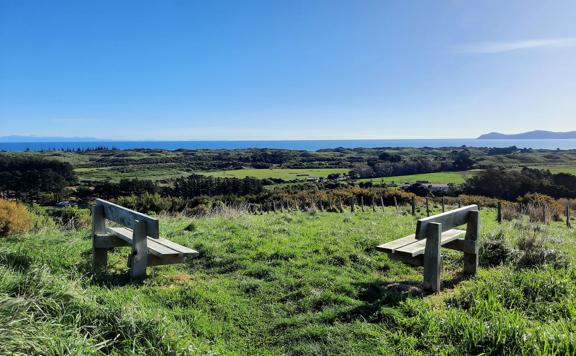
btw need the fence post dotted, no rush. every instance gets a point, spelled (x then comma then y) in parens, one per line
(373, 205)
(544, 213)
(414, 206)
(99, 255)
(352, 204)
(499, 216)
(568, 223)
(362, 203)
(382, 202)
(443, 208)
(396, 204)
(427, 207)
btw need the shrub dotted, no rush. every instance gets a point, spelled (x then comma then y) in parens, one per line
(534, 252)
(199, 211)
(14, 218)
(541, 207)
(71, 217)
(495, 250)
(41, 220)
(156, 203)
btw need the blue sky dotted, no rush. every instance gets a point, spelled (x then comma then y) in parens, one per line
(293, 69)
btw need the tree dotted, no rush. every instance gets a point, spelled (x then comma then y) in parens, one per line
(463, 162)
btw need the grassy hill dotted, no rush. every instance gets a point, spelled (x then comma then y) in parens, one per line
(438, 177)
(290, 283)
(113, 165)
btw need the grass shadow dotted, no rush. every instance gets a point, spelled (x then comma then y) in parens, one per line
(379, 299)
(16, 261)
(104, 277)
(455, 280)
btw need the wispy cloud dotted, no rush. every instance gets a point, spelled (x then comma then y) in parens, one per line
(508, 46)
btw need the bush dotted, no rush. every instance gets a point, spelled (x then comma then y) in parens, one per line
(495, 250)
(535, 251)
(541, 207)
(14, 218)
(41, 220)
(152, 203)
(71, 217)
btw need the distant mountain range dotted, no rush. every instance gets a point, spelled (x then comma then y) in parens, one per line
(17, 138)
(531, 135)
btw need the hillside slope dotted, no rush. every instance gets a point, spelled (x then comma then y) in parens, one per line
(298, 283)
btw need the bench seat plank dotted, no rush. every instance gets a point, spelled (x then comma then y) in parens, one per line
(391, 246)
(418, 246)
(158, 247)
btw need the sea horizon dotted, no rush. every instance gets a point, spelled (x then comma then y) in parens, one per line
(308, 145)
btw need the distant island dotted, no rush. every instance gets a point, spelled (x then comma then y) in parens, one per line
(531, 135)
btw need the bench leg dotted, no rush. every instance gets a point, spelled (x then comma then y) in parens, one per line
(100, 258)
(139, 256)
(472, 234)
(432, 258)
(99, 255)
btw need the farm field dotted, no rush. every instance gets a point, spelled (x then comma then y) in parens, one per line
(115, 174)
(287, 283)
(559, 169)
(438, 177)
(283, 173)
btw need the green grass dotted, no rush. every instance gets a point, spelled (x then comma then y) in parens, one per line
(115, 174)
(439, 177)
(559, 169)
(299, 283)
(283, 173)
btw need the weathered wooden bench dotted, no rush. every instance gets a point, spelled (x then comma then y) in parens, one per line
(140, 231)
(423, 247)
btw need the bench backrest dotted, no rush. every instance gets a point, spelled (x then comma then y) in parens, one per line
(449, 220)
(127, 217)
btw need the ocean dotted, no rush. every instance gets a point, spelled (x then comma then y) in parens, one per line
(309, 145)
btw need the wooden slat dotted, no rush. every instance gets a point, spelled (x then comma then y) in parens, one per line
(396, 244)
(417, 248)
(126, 217)
(154, 246)
(173, 245)
(449, 220)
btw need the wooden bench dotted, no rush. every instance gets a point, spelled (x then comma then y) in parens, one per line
(140, 231)
(423, 247)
